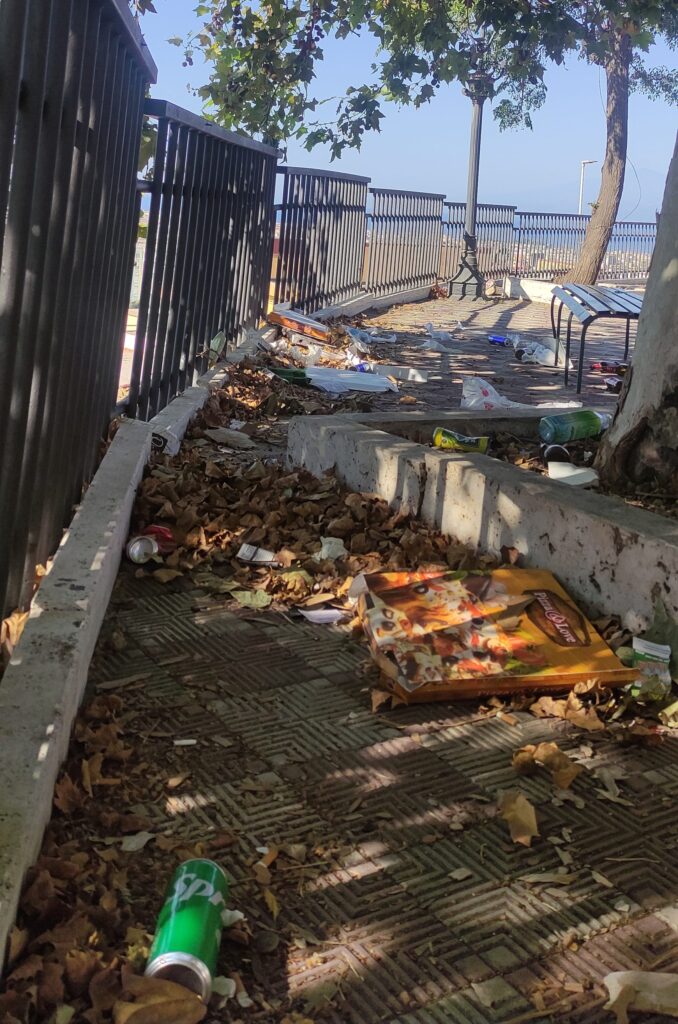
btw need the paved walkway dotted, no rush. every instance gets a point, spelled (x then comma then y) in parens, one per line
(396, 895)
(473, 355)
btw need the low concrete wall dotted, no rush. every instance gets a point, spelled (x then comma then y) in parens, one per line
(612, 557)
(367, 301)
(43, 685)
(528, 288)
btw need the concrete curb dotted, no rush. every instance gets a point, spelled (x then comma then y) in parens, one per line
(45, 679)
(612, 557)
(364, 302)
(43, 685)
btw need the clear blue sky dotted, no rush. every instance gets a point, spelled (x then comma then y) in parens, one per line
(427, 149)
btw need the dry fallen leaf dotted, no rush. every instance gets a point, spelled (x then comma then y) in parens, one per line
(67, 797)
(550, 878)
(166, 575)
(272, 903)
(459, 874)
(157, 1002)
(572, 710)
(177, 780)
(136, 842)
(563, 770)
(520, 816)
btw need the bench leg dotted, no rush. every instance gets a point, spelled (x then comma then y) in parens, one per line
(580, 370)
(553, 321)
(567, 347)
(626, 344)
(560, 313)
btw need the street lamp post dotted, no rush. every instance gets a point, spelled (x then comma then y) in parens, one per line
(468, 280)
(581, 183)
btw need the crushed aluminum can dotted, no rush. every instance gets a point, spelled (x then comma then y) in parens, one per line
(141, 549)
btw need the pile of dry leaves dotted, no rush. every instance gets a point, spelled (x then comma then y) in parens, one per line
(214, 501)
(87, 913)
(253, 394)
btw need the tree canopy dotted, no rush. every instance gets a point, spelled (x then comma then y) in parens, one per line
(264, 57)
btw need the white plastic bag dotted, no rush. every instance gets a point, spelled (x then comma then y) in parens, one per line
(438, 335)
(534, 352)
(369, 337)
(478, 394)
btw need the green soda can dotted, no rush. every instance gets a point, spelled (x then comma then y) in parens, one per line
(453, 442)
(189, 927)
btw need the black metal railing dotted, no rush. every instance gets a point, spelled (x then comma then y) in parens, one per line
(548, 245)
(321, 238)
(403, 240)
(495, 239)
(629, 251)
(73, 74)
(208, 251)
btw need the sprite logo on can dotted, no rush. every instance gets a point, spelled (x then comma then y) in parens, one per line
(188, 932)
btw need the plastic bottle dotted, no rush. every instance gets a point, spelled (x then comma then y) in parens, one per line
(570, 426)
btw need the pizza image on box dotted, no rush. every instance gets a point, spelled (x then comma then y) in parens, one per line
(448, 634)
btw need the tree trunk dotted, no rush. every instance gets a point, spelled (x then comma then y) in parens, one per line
(642, 443)
(605, 211)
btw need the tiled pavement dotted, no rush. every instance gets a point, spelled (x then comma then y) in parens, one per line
(375, 928)
(473, 355)
(391, 804)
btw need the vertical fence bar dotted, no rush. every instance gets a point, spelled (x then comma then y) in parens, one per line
(322, 238)
(207, 252)
(405, 240)
(72, 75)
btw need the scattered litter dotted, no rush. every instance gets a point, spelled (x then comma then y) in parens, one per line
(431, 345)
(406, 373)
(571, 426)
(447, 635)
(338, 381)
(189, 927)
(449, 440)
(141, 549)
(224, 987)
(295, 321)
(258, 556)
(438, 335)
(184, 743)
(520, 815)
(641, 990)
(575, 476)
(332, 548)
(499, 339)
(370, 337)
(478, 393)
(323, 616)
(618, 369)
(534, 352)
(653, 664)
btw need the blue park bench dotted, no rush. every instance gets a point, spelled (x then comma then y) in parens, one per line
(586, 304)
